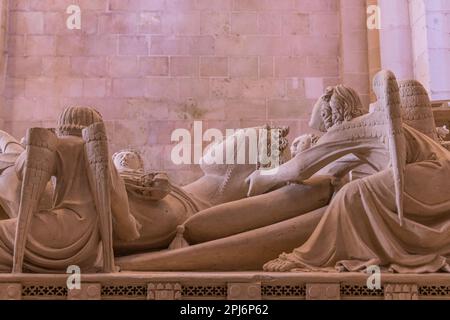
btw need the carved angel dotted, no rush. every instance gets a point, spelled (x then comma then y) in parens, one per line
(397, 219)
(72, 229)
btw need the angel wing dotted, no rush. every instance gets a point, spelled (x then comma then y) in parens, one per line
(416, 108)
(96, 146)
(39, 164)
(387, 91)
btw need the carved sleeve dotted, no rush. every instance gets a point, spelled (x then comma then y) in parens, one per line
(8, 144)
(125, 225)
(308, 162)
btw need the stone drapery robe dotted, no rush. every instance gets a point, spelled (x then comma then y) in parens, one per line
(67, 234)
(361, 226)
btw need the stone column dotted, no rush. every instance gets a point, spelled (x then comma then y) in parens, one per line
(433, 17)
(418, 22)
(354, 47)
(374, 50)
(395, 38)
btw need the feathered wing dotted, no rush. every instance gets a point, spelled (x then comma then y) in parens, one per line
(96, 146)
(387, 92)
(39, 166)
(416, 108)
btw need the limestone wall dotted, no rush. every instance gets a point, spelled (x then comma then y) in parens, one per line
(151, 66)
(3, 53)
(416, 42)
(438, 29)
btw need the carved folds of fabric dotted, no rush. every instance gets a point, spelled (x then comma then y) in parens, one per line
(96, 145)
(39, 165)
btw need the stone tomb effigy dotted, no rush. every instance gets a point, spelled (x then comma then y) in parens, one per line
(362, 211)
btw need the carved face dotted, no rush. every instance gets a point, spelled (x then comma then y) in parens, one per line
(316, 121)
(301, 144)
(127, 161)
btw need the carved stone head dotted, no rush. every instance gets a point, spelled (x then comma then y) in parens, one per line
(303, 143)
(128, 160)
(73, 120)
(338, 104)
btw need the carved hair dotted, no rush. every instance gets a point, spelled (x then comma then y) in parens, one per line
(339, 104)
(73, 120)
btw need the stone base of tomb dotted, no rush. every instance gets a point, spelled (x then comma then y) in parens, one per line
(225, 286)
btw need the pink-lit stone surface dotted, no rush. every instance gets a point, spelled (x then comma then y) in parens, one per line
(415, 42)
(438, 29)
(354, 47)
(151, 66)
(396, 39)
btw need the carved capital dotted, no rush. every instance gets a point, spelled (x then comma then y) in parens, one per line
(10, 291)
(244, 291)
(323, 291)
(87, 291)
(164, 291)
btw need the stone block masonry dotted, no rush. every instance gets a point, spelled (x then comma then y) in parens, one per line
(161, 64)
